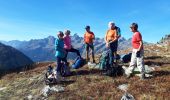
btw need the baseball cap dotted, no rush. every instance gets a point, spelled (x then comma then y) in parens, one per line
(87, 27)
(135, 25)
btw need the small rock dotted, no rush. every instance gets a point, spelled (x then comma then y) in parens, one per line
(57, 88)
(146, 75)
(3, 88)
(123, 87)
(21, 72)
(47, 90)
(147, 69)
(127, 96)
(29, 97)
(91, 65)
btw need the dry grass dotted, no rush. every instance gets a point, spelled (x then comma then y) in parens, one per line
(87, 84)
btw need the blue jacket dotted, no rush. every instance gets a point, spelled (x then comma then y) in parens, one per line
(59, 48)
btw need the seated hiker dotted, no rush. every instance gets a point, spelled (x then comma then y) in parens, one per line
(60, 52)
(88, 40)
(67, 45)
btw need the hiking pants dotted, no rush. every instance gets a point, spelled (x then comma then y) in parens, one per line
(72, 50)
(87, 46)
(112, 52)
(137, 61)
(59, 64)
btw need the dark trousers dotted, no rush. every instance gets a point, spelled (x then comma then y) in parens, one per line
(72, 50)
(59, 64)
(91, 46)
(113, 52)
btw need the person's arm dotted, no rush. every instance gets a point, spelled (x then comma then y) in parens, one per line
(57, 47)
(107, 43)
(139, 38)
(106, 37)
(93, 36)
(140, 46)
(84, 37)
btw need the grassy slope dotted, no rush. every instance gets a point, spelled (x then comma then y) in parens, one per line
(90, 84)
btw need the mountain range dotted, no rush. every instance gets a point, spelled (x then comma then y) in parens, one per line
(43, 49)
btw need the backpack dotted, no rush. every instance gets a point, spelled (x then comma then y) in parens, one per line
(118, 31)
(115, 71)
(65, 70)
(104, 60)
(50, 76)
(126, 58)
(79, 62)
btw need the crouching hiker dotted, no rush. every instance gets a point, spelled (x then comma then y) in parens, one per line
(67, 45)
(137, 52)
(60, 53)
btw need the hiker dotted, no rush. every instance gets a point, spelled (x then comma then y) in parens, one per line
(111, 39)
(137, 52)
(88, 40)
(60, 52)
(67, 44)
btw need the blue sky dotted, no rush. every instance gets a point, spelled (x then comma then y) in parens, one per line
(35, 19)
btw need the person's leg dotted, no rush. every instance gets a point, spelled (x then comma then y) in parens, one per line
(66, 55)
(140, 64)
(92, 48)
(115, 58)
(87, 52)
(75, 50)
(58, 65)
(131, 67)
(111, 55)
(115, 52)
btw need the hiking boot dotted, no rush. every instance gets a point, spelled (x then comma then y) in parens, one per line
(142, 77)
(128, 75)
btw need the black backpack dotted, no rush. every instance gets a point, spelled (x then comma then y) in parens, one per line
(126, 58)
(114, 71)
(65, 70)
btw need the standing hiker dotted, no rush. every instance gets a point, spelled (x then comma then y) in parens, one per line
(88, 40)
(111, 39)
(137, 52)
(67, 44)
(60, 53)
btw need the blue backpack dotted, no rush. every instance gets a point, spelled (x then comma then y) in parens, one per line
(79, 62)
